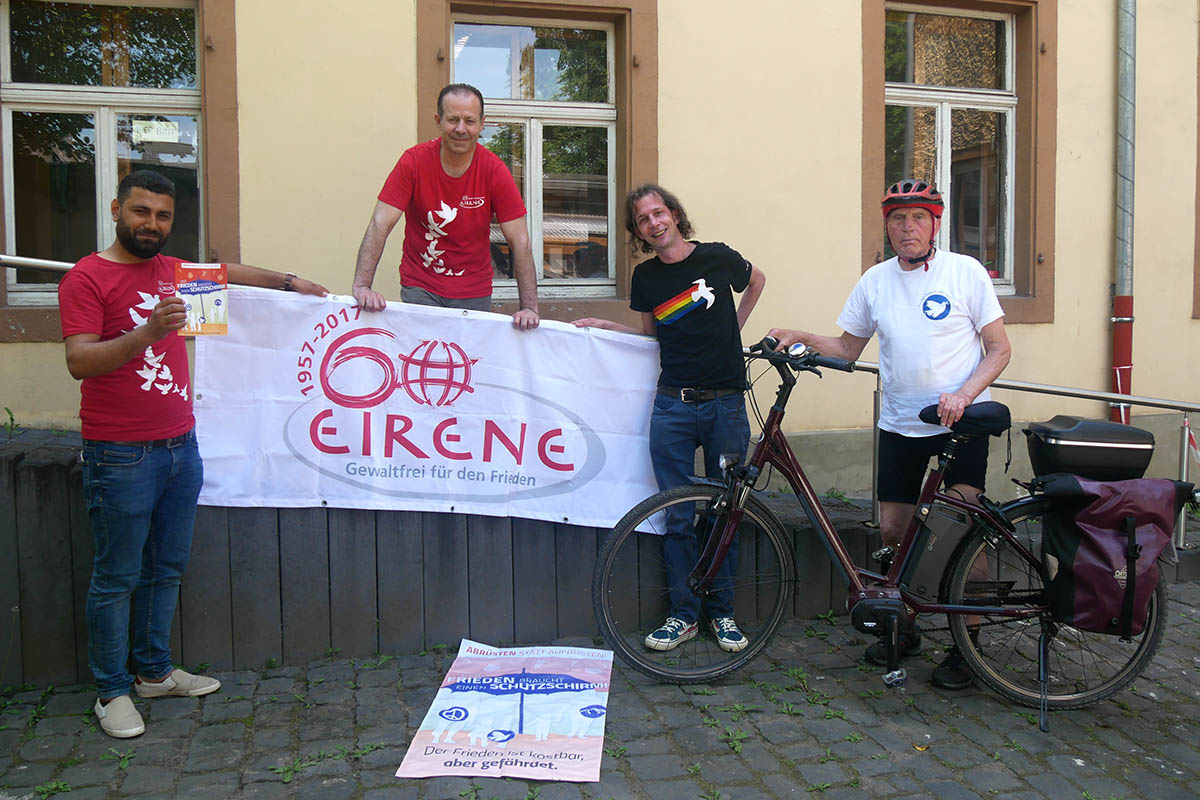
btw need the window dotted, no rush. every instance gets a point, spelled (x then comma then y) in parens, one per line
(950, 117)
(551, 118)
(90, 92)
(967, 90)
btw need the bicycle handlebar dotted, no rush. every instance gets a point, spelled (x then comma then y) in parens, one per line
(799, 356)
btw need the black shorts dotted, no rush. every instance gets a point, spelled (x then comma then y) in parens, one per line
(904, 459)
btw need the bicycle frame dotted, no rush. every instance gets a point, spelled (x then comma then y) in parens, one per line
(773, 449)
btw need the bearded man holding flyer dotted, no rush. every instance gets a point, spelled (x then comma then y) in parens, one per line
(142, 471)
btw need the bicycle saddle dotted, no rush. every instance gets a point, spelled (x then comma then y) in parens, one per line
(988, 418)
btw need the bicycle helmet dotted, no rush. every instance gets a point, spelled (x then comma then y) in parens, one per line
(910, 192)
(913, 193)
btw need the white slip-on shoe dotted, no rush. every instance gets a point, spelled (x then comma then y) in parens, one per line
(180, 683)
(119, 718)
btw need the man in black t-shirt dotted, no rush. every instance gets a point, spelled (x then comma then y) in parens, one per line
(685, 296)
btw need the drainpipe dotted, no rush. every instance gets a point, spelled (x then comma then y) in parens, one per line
(1122, 306)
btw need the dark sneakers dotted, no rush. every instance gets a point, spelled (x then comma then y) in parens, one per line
(953, 672)
(910, 645)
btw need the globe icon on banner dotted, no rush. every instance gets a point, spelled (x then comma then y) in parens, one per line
(436, 373)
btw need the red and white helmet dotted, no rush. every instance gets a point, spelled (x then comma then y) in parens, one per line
(910, 193)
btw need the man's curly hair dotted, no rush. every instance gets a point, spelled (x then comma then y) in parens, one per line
(673, 205)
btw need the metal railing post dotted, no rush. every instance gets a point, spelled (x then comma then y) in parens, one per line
(1185, 431)
(875, 455)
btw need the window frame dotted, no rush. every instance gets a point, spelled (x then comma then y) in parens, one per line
(1034, 67)
(634, 82)
(218, 135)
(104, 104)
(534, 115)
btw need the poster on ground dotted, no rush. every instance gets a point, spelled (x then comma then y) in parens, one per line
(535, 713)
(311, 402)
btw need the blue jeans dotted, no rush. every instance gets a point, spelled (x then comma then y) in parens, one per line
(677, 428)
(142, 504)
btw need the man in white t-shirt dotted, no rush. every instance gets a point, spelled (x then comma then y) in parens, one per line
(941, 340)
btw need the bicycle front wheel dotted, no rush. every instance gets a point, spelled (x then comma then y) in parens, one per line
(1082, 668)
(632, 595)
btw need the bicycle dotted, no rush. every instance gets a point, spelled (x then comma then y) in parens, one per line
(978, 564)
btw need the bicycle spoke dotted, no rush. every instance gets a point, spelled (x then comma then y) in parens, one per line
(633, 596)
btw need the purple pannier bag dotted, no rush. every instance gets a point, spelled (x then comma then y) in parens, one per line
(1101, 551)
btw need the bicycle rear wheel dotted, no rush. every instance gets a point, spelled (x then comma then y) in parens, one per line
(631, 593)
(1083, 668)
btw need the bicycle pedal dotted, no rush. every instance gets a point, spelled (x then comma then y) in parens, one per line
(895, 679)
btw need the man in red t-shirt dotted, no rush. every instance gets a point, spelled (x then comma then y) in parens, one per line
(450, 188)
(141, 469)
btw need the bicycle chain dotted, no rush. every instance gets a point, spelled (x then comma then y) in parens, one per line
(946, 629)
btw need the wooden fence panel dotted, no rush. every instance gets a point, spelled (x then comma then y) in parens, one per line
(401, 576)
(46, 576)
(205, 597)
(254, 581)
(490, 579)
(353, 610)
(11, 452)
(83, 552)
(304, 583)
(447, 593)
(575, 560)
(814, 575)
(535, 610)
(623, 595)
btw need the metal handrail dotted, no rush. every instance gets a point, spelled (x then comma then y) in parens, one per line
(34, 263)
(1084, 394)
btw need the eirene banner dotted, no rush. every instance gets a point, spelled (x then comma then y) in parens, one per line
(314, 402)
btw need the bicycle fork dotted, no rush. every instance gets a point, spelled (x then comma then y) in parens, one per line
(726, 516)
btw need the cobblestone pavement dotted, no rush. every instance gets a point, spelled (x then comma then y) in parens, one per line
(338, 729)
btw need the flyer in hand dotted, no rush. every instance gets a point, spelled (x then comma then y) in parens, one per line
(205, 290)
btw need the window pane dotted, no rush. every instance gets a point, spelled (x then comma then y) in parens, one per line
(565, 64)
(941, 50)
(54, 189)
(910, 141)
(56, 43)
(162, 48)
(166, 144)
(977, 185)
(84, 45)
(575, 202)
(507, 140)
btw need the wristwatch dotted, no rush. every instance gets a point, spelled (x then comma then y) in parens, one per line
(287, 281)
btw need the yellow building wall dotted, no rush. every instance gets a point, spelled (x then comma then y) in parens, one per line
(760, 135)
(36, 388)
(326, 106)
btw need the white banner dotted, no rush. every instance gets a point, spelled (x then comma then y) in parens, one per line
(313, 402)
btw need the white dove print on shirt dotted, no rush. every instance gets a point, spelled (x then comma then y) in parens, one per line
(436, 223)
(703, 293)
(154, 374)
(936, 306)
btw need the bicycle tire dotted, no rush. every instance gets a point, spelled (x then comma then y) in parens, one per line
(1083, 668)
(630, 593)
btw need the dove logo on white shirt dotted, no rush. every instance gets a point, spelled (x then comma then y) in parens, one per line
(703, 293)
(936, 306)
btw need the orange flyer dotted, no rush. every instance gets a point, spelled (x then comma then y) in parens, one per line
(205, 290)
